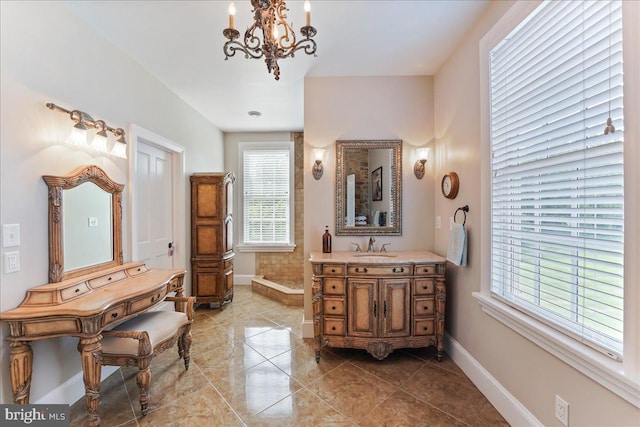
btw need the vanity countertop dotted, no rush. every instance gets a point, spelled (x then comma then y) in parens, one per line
(375, 257)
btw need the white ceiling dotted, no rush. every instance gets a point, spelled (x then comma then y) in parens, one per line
(180, 42)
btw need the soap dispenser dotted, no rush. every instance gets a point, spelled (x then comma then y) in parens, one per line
(326, 241)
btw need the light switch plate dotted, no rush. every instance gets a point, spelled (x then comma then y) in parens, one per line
(10, 235)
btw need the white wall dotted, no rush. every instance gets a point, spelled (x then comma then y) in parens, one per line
(49, 55)
(532, 375)
(353, 108)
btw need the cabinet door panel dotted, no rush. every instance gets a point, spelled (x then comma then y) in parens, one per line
(207, 240)
(363, 309)
(395, 300)
(207, 197)
(207, 283)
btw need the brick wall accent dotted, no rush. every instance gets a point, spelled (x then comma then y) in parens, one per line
(287, 268)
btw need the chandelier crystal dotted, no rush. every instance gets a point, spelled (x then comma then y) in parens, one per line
(270, 35)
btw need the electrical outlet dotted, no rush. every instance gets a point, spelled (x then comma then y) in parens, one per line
(562, 410)
(11, 262)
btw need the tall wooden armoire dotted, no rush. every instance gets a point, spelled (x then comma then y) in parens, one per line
(212, 237)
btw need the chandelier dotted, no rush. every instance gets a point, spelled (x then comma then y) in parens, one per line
(270, 35)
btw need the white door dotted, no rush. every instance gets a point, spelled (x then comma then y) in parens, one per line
(154, 206)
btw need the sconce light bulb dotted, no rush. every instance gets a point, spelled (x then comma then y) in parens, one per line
(307, 6)
(119, 150)
(423, 153)
(232, 9)
(99, 142)
(78, 136)
(318, 169)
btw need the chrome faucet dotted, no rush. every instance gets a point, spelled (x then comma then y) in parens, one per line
(371, 248)
(357, 247)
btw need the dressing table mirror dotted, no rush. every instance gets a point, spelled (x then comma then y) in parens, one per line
(368, 188)
(85, 223)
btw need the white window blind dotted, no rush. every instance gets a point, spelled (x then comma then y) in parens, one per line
(557, 177)
(266, 192)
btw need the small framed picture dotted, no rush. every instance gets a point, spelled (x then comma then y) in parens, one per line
(376, 185)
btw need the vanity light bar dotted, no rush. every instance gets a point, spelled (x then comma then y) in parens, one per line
(83, 120)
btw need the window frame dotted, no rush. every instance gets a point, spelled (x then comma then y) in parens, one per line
(265, 247)
(620, 377)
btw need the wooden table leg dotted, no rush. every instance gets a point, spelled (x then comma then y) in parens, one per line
(91, 351)
(21, 366)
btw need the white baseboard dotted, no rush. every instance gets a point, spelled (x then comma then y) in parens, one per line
(307, 329)
(71, 390)
(509, 407)
(243, 279)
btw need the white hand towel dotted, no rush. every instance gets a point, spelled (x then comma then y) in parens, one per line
(457, 251)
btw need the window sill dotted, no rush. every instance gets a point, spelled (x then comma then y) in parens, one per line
(600, 368)
(265, 248)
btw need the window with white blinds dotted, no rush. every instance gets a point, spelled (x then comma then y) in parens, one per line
(266, 196)
(557, 170)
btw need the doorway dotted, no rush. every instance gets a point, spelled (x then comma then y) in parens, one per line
(157, 195)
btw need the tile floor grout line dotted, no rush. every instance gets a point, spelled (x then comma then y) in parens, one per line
(224, 399)
(418, 398)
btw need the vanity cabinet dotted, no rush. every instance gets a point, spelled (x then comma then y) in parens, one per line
(378, 308)
(212, 237)
(378, 302)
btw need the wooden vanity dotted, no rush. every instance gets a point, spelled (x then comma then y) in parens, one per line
(83, 307)
(378, 301)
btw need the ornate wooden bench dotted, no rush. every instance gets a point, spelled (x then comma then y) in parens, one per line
(137, 341)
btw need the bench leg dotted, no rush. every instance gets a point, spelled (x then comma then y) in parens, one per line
(144, 381)
(185, 343)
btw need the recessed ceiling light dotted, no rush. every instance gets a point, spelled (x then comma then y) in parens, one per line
(254, 113)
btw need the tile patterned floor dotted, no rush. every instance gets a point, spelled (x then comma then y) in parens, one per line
(250, 367)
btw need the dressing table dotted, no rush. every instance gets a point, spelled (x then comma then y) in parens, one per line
(90, 297)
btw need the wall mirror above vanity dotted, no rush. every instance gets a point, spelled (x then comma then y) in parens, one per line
(368, 188)
(85, 223)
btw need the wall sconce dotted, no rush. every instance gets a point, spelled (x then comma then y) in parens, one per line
(318, 169)
(423, 155)
(100, 141)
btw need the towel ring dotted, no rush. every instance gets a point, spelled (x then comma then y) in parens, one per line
(464, 210)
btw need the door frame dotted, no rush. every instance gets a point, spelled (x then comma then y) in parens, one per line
(139, 134)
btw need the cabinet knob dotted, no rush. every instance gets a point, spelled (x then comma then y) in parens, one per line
(333, 328)
(424, 328)
(333, 270)
(114, 315)
(77, 290)
(333, 307)
(333, 286)
(426, 308)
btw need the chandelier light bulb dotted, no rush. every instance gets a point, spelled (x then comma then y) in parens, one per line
(307, 10)
(232, 12)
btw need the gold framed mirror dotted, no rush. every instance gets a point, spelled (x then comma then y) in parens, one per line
(85, 222)
(368, 188)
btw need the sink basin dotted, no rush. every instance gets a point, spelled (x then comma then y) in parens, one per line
(372, 255)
